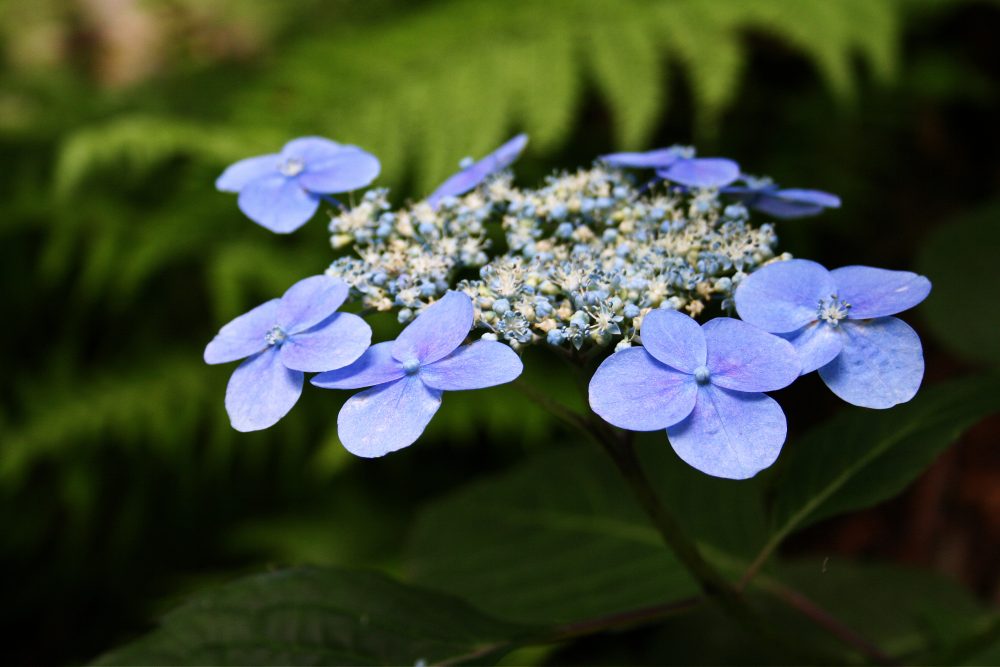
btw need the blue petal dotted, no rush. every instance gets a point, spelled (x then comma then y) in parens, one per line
(387, 417)
(244, 335)
(817, 344)
(815, 197)
(730, 434)
(633, 390)
(745, 358)
(310, 301)
(437, 331)
(472, 176)
(311, 149)
(655, 159)
(791, 203)
(261, 391)
(482, 364)
(375, 366)
(875, 292)
(674, 339)
(784, 296)
(278, 203)
(350, 169)
(237, 176)
(881, 365)
(334, 343)
(701, 172)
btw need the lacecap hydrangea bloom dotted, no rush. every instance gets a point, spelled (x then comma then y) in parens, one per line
(282, 339)
(839, 322)
(599, 262)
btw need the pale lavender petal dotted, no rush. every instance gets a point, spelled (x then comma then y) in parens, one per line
(745, 358)
(633, 390)
(437, 331)
(659, 158)
(817, 344)
(711, 172)
(334, 343)
(240, 174)
(804, 196)
(881, 365)
(244, 335)
(482, 364)
(261, 391)
(310, 301)
(375, 366)
(475, 174)
(730, 434)
(784, 296)
(875, 292)
(277, 203)
(311, 149)
(350, 169)
(387, 417)
(673, 338)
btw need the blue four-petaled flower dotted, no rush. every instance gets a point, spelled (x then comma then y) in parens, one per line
(678, 164)
(784, 203)
(477, 172)
(282, 191)
(839, 322)
(704, 385)
(281, 339)
(407, 377)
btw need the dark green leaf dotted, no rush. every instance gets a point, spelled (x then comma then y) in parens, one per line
(863, 457)
(308, 616)
(560, 538)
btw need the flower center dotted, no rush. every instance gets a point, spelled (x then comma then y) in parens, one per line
(291, 167)
(411, 366)
(833, 310)
(701, 375)
(276, 336)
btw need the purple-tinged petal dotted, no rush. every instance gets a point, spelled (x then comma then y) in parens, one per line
(475, 174)
(244, 335)
(656, 159)
(881, 365)
(310, 301)
(817, 344)
(311, 149)
(484, 363)
(784, 296)
(745, 358)
(633, 390)
(875, 292)
(437, 331)
(261, 391)
(730, 434)
(334, 343)
(780, 204)
(240, 174)
(387, 417)
(711, 172)
(375, 366)
(674, 339)
(350, 169)
(815, 197)
(277, 203)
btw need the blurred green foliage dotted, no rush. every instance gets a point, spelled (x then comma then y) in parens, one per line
(121, 482)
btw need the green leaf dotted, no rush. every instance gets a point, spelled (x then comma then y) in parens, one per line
(862, 457)
(959, 259)
(310, 616)
(560, 538)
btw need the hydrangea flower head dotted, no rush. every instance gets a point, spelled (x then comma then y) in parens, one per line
(678, 164)
(281, 339)
(408, 376)
(703, 384)
(476, 173)
(785, 203)
(282, 191)
(839, 322)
